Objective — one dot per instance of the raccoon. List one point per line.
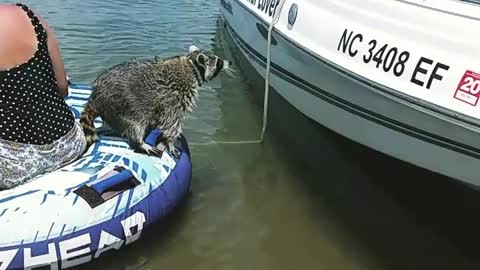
(139, 95)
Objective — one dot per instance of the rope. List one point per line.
(275, 19)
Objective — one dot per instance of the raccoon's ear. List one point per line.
(201, 59)
(193, 49)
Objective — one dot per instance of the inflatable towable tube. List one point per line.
(101, 202)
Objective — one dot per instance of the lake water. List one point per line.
(304, 199)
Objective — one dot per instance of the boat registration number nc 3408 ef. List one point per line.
(391, 59)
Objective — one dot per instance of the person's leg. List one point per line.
(19, 163)
(70, 147)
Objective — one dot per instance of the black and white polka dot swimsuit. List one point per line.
(32, 111)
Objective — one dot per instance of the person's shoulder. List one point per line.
(10, 12)
(9, 9)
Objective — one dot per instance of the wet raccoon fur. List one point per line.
(137, 96)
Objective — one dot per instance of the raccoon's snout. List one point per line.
(227, 68)
(227, 64)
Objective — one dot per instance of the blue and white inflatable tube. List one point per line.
(101, 202)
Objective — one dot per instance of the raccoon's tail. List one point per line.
(86, 120)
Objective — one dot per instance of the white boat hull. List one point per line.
(397, 124)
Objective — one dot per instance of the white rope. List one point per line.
(275, 19)
(223, 142)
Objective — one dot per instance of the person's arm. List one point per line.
(56, 57)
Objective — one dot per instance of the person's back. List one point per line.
(38, 132)
(18, 38)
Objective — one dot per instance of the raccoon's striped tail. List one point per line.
(86, 120)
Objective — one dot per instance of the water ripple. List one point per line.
(97, 34)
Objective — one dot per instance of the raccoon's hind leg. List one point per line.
(167, 144)
(135, 133)
(168, 140)
(173, 150)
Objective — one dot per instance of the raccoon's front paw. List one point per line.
(155, 152)
(149, 150)
(175, 153)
